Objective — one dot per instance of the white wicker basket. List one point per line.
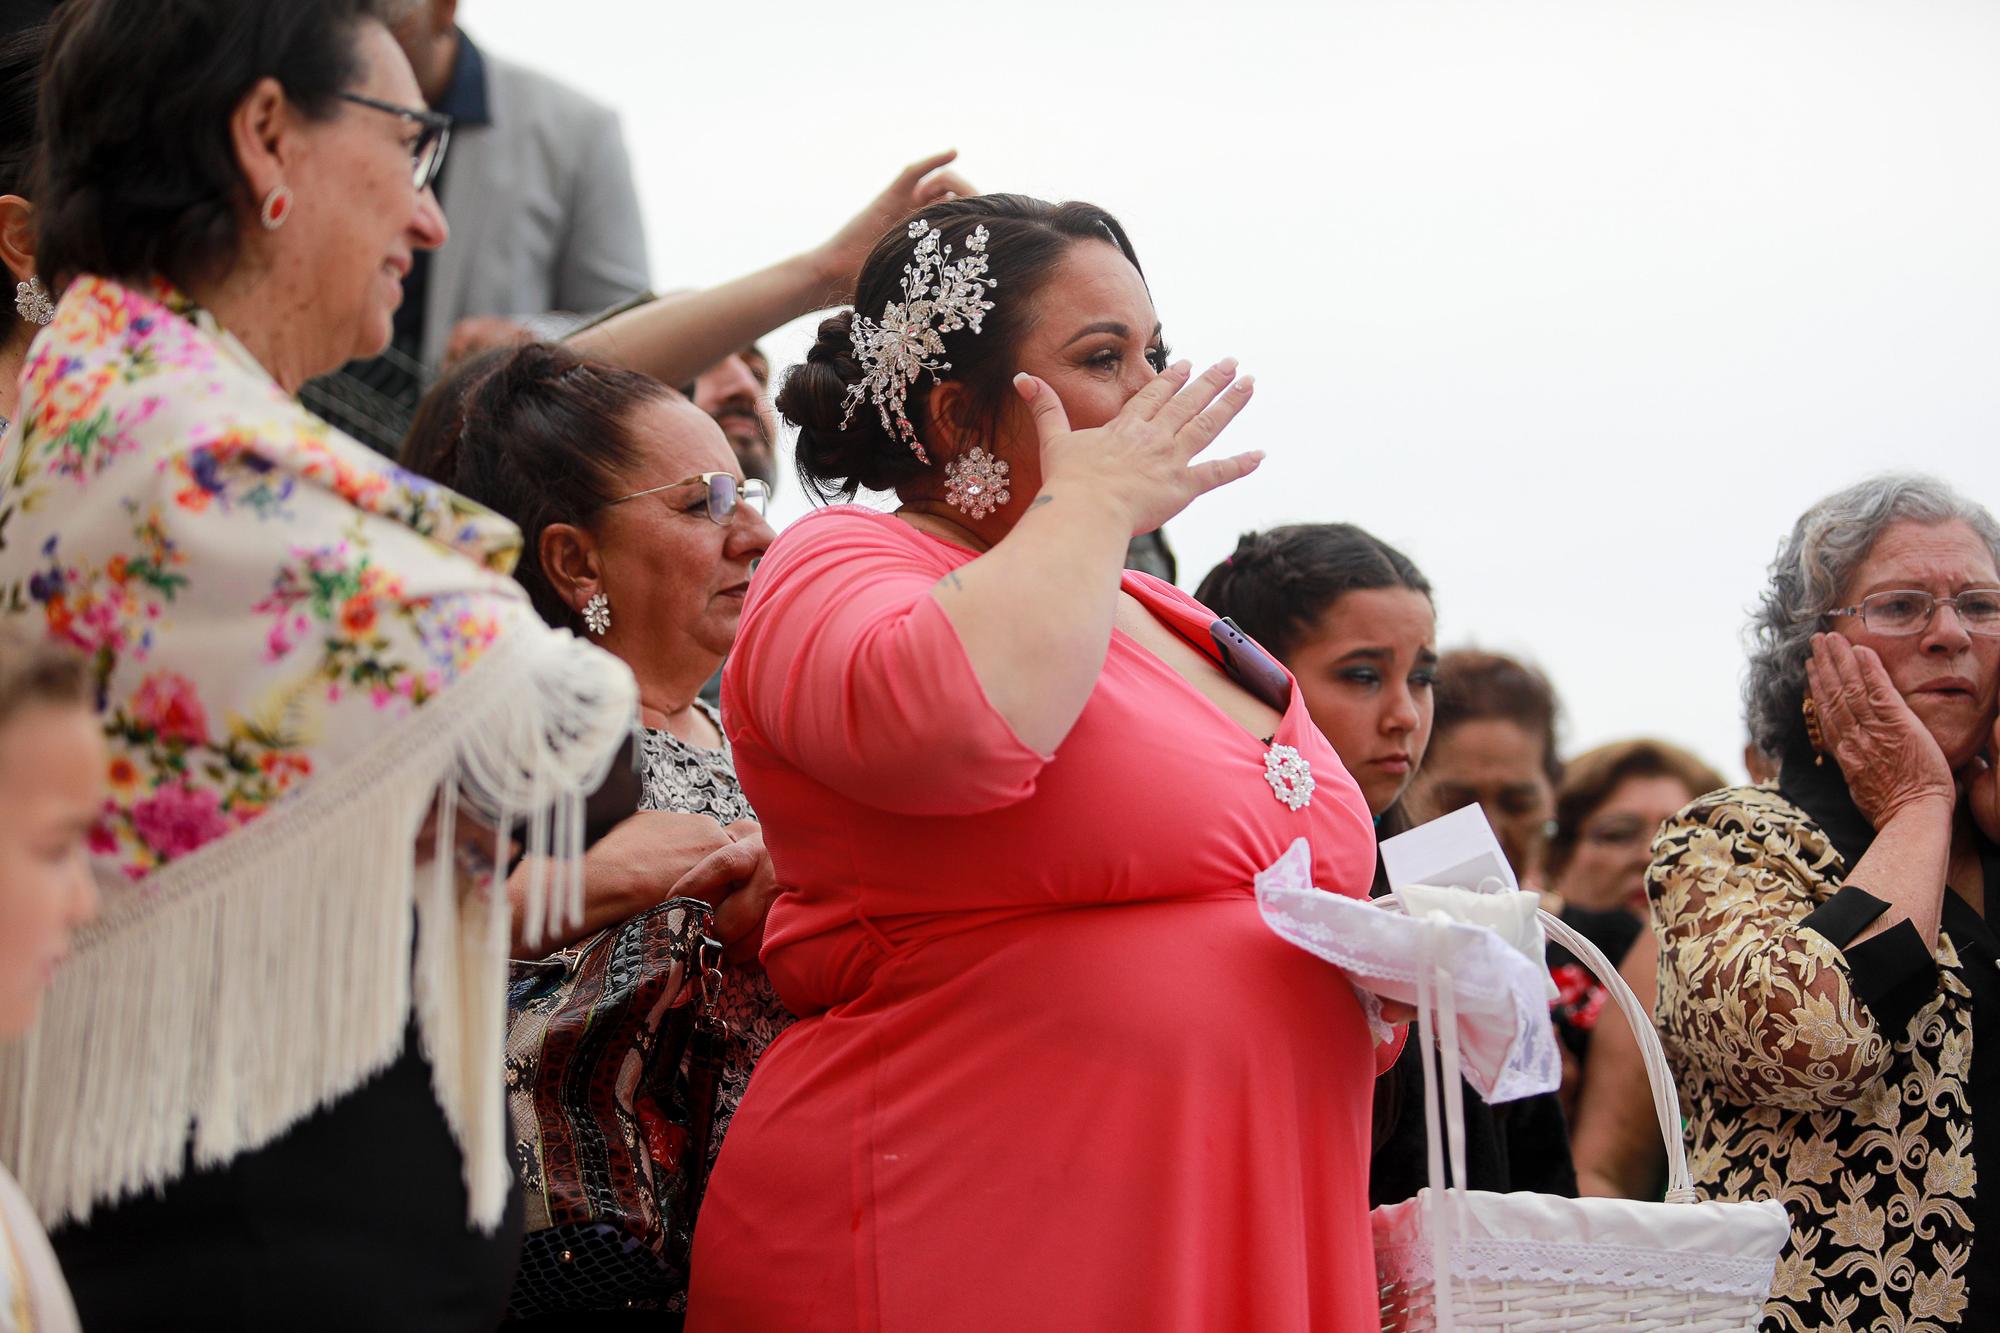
(1537, 1262)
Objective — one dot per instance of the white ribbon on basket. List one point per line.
(1434, 994)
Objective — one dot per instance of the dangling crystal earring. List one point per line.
(32, 300)
(597, 614)
(975, 483)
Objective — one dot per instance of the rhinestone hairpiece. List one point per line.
(909, 338)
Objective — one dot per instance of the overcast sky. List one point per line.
(1577, 303)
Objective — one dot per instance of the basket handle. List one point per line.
(1666, 1098)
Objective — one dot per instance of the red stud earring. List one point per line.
(276, 208)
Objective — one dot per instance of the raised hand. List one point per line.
(1142, 460)
(1890, 759)
(922, 182)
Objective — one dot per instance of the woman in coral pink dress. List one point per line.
(1052, 1070)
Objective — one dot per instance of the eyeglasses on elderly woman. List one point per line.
(1904, 611)
(721, 494)
(427, 149)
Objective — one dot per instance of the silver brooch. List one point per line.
(1290, 776)
(909, 339)
(975, 483)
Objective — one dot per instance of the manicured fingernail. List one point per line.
(1246, 384)
(1182, 367)
(1024, 384)
(1227, 365)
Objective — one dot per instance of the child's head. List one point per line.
(52, 767)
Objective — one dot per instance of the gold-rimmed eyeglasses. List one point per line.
(1905, 611)
(722, 494)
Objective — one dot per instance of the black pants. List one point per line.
(354, 1220)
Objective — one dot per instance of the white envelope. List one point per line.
(1457, 850)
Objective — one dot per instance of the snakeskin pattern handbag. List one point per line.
(614, 1051)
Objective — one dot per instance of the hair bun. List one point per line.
(814, 394)
(835, 454)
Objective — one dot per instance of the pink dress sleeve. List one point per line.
(846, 668)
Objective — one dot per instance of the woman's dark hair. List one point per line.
(1278, 582)
(1026, 240)
(137, 173)
(537, 434)
(21, 55)
(1478, 686)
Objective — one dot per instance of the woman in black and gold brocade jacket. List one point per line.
(1827, 970)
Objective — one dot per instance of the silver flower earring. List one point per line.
(597, 614)
(975, 483)
(32, 300)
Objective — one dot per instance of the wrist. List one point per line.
(1074, 501)
(816, 276)
(1938, 807)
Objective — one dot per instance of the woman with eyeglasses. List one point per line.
(266, 1090)
(1829, 978)
(1611, 802)
(641, 531)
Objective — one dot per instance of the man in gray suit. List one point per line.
(545, 226)
(538, 191)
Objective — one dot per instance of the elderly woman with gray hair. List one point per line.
(1827, 969)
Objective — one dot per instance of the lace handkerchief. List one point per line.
(1509, 1045)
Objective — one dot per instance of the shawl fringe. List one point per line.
(235, 992)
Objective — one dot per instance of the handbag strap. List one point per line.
(708, 1047)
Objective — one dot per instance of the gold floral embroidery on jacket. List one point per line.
(1793, 1093)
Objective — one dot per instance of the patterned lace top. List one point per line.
(1833, 1076)
(691, 779)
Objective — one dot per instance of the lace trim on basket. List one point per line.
(1591, 1265)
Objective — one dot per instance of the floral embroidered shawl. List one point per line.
(301, 652)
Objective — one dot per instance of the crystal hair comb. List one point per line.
(909, 339)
